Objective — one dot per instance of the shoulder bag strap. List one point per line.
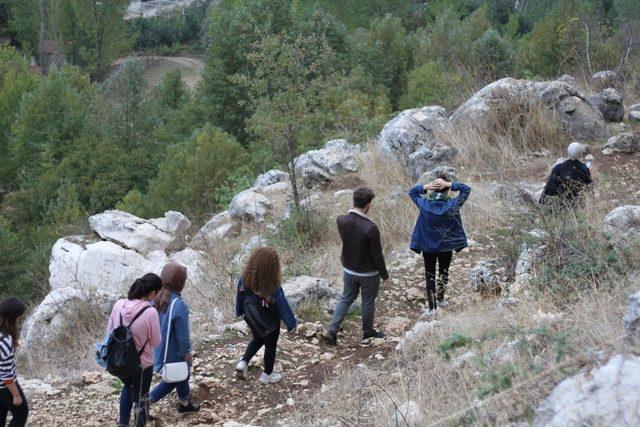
(166, 345)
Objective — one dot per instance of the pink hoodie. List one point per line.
(146, 327)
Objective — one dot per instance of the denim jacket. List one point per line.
(180, 338)
(282, 306)
(439, 226)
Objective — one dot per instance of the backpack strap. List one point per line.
(137, 315)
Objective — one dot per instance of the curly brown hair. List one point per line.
(262, 272)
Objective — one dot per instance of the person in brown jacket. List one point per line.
(363, 265)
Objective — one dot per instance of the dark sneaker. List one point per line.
(188, 408)
(374, 334)
(331, 338)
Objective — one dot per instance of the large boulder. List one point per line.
(248, 205)
(626, 142)
(610, 104)
(270, 177)
(634, 116)
(303, 289)
(338, 157)
(605, 78)
(607, 396)
(632, 318)
(487, 276)
(101, 265)
(415, 138)
(509, 98)
(143, 236)
(220, 226)
(623, 224)
(56, 330)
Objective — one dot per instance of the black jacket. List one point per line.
(361, 247)
(567, 181)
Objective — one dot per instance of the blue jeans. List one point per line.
(132, 395)
(352, 287)
(162, 389)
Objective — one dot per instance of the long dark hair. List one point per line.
(144, 285)
(10, 310)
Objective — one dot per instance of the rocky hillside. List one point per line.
(529, 306)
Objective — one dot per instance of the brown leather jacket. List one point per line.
(361, 247)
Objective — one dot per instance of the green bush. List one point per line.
(432, 84)
(301, 231)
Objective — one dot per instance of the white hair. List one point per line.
(575, 151)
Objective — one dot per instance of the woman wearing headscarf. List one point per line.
(176, 324)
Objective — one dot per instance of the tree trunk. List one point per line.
(291, 167)
(41, 37)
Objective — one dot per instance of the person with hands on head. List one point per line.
(363, 265)
(174, 278)
(259, 290)
(438, 232)
(12, 399)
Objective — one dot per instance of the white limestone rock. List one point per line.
(249, 205)
(607, 396)
(221, 226)
(414, 137)
(139, 234)
(623, 225)
(273, 176)
(309, 289)
(338, 157)
(632, 318)
(563, 99)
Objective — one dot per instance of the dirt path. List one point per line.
(305, 361)
(191, 68)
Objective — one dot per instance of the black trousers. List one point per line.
(270, 343)
(20, 413)
(444, 261)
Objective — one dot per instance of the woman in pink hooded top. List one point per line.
(144, 325)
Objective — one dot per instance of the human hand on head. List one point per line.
(441, 184)
(431, 186)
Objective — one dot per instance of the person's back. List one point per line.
(361, 249)
(569, 179)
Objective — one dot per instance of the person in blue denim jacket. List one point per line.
(261, 279)
(438, 232)
(174, 278)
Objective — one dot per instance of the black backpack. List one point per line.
(123, 359)
(261, 320)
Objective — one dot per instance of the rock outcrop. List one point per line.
(610, 104)
(415, 138)
(626, 142)
(56, 326)
(220, 226)
(632, 319)
(141, 235)
(249, 205)
(307, 289)
(270, 177)
(623, 224)
(605, 78)
(606, 396)
(487, 276)
(338, 157)
(513, 97)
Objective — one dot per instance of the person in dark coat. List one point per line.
(362, 263)
(569, 179)
(438, 232)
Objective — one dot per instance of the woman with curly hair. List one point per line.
(262, 302)
(12, 399)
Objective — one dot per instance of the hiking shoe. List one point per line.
(272, 378)
(374, 334)
(242, 370)
(331, 338)
(443, 304)
(430, 314)
(185, 409)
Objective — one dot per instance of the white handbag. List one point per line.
(174, 372)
